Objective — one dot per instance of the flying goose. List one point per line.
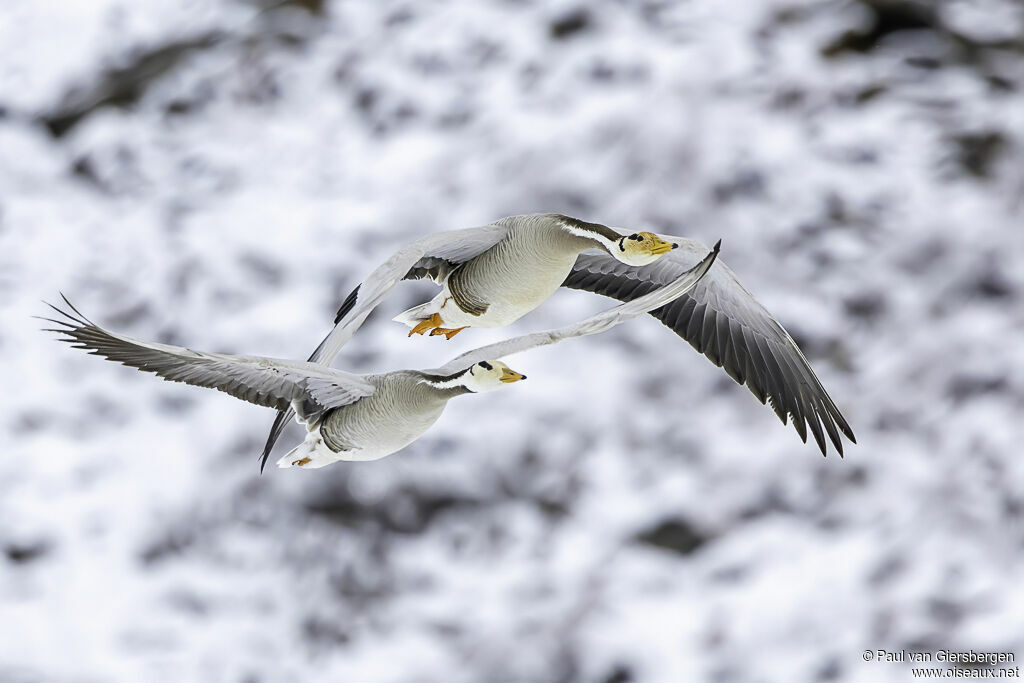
(497, 273)
(349, 416)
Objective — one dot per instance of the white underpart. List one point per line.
(320, 454)
(314, 448)
(498, 314)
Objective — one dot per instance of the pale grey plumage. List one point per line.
(367, 415)
(522, 269)
(401, 408)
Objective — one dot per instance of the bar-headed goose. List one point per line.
(349, 416)
(496, 273)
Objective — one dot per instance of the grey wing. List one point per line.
(723, 321)
(434, 256)
(661, 295)
(264, 381)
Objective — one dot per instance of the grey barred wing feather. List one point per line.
(723, 321)
(263, 381)
(434, 256)
(683, 281)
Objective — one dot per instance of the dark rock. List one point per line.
(179, 107)
(366, 99)
(867, 306)
(174, 543)
(84, 169)
(829, 670)
(992, 284)
(746, 183)
(324, 632)
(963, 387)
(620, 673)
(945, 611)
(407, 510)
(922, 62)
(570, 24)
(978, 152)
(26, 552)
(870, 93)
(888, 17)
(262, 270)
(886, 570)
(676, 535)
(123, 86)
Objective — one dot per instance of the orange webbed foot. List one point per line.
(448, 333)
(428, 324)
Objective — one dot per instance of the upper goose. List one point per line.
(506, 269)
(348, 416)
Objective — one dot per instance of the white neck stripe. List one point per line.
(587, 234)
(447, 384)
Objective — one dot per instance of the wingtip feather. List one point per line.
(275, 433)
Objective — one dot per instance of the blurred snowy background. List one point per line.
(221, 173)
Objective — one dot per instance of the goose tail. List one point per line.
(417, 314)
(311, 454)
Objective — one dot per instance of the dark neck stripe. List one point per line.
(438, 379)
(597, 228)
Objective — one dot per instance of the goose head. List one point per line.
(488, 376)
(642, 248)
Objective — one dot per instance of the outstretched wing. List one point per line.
(263, 381)
(433, 256)
(723, 321)
(600, 322)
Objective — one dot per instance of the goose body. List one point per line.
(349, 416)
(513, 277)
(403, 405)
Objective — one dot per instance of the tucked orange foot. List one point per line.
(448, 333)
(303, 461)
(428, 324)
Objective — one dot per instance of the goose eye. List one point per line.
(485, 365)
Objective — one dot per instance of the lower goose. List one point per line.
(349, 416)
